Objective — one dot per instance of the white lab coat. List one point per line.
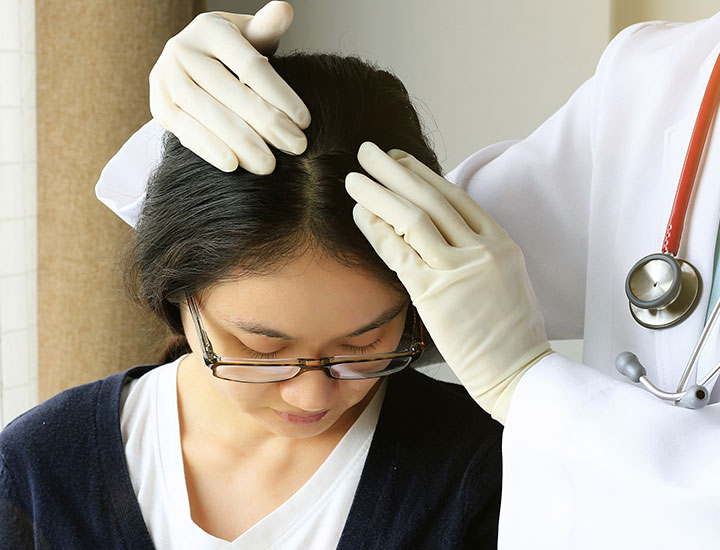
(591, 461)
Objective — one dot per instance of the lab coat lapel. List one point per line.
(674, 345)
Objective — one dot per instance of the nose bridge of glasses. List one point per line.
(310, 362)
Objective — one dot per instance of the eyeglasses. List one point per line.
(340, 367)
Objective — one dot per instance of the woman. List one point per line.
(236, 442)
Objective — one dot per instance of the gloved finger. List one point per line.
(408, 221)
(251, 151)
(475, 217)
(199, 139)
(271, 124)
(266, 27)
(228, 45)
(392, 249)
(415, 189)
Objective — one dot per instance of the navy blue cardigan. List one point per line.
(431, 480)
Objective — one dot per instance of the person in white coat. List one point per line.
(590, 460)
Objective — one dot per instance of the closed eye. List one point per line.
(253, 354)
(362, 350)
(353, 350)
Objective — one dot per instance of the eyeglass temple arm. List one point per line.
(208, 352)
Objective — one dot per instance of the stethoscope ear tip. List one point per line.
(629, 365)
(696, 397)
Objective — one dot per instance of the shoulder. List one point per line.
(439, 411)
(433, 474)
(660, 46)
(63, 422)
(63, 472)
(67, 410)
(414, 388)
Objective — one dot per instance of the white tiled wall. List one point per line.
(18, 210)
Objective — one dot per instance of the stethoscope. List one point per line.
(663, 290)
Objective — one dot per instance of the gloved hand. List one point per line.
(224, 118)
(465, 275)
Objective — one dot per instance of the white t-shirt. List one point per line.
(312, 518)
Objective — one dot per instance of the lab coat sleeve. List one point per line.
(538, 190)
(121, 186)
(592, 462)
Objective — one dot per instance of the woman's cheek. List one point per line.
(245, 396)
(354, 391)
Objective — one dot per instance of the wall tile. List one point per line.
(28, 84)
(12, 201)
(15, 401)
(10, 134)
(29, 185)
(12, 248)
(31, 288)
(29, 134)
(15, 360)
(30, 251)
(33, 352)
(27, 25)
(13, 303)
(11, 79)
(18, 209)
(10, 25)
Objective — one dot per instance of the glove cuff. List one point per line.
(496, 400)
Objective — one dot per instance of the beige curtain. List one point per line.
(93, 60)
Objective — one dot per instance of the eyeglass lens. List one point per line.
(342, 371)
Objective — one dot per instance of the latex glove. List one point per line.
(224, 118)
(464, 274)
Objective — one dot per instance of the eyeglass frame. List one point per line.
(213, 361)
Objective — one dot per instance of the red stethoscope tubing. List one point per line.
(708, 107)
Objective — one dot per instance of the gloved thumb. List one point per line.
(266, 28)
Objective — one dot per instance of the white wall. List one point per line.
(627, 12)
(18, 210)
(481, 71)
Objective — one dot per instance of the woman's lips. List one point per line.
(301, 418)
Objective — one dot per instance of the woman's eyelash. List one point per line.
(356, 350)
(361, 350)
(259, 355)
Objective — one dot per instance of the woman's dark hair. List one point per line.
(200, 226)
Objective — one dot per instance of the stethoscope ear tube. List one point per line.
(695, 397)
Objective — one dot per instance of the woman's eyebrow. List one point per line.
(256, 328)
(385, 317)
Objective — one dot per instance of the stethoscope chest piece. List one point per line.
(662, 290)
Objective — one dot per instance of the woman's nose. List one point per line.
(311, 391)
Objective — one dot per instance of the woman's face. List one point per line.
(313, 307)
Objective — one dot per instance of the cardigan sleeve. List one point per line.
(55, 491)
(482, 498)
(16, 526)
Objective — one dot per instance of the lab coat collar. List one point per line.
(707, 66)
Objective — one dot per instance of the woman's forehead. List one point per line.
(315, 290)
